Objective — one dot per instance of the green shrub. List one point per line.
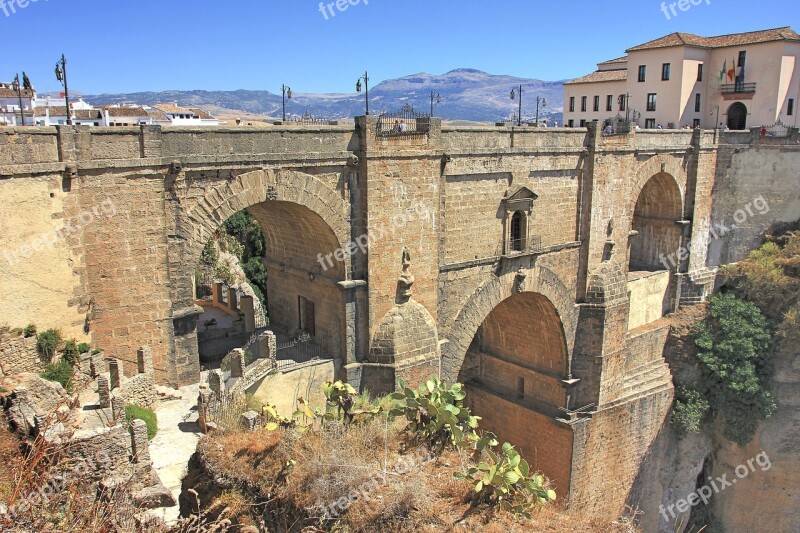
(84, 348)
(60, 372)
(224, 274)
(71, 352)
(29, 331)
(734, 347)
(136, 412)
(689, 410)
(47, 343)
(96, 351)
(209, 256)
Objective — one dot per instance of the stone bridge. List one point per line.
(532, 264)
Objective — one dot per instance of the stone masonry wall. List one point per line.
(18, 354)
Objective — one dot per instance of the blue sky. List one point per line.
(127, 46)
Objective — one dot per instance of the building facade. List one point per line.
(737, 81)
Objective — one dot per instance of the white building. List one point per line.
(182, 116)
(9, 105)
(739, 81)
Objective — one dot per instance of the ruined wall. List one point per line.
(18, 354)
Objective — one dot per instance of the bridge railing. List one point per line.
(403, 122)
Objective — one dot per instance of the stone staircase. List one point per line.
(645, 380)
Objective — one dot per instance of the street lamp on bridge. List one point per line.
(287, 94)
(435, 97)
(365, 78)
(16, 86)
(61, 75)
(543, 102)
(513, 96)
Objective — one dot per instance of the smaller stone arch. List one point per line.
(658, 164)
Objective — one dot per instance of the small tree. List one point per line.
(47, 343)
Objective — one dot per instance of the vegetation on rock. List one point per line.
(136, 412)
(47, 343)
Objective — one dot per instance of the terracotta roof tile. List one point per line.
(623, 59)
(11, 93)
(126, 112)
(601, 76)
(200, 113)
(55, 111)
(719, 41)
(87, 114)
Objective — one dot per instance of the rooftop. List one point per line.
(720, 41)
(127, 111)
(601, 76)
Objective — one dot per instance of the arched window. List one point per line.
(518, 231)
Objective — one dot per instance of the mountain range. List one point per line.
(466, 94)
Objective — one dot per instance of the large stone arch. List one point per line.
(319, 208)
(492, 293)
(256, 187)
(510, 346)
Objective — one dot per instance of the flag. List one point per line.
(723, 71)
(732, 70)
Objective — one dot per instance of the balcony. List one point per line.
(738, 88)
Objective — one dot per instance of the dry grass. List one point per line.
(337, 462)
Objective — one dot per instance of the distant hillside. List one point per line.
(466, 94)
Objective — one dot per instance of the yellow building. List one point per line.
(739, 81)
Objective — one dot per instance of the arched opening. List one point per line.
(301, 299)
(514, 371)
(737, 116)
(655, 244)
(518, 231)
(654, 249)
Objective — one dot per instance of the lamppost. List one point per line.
(365, 78)
(513, 96)
(16, 86)
(623, 101)
(437, 97)
(61, 75)
(543, 101)
(287, 93)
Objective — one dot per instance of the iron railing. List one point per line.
(298, 351)
(616, 126)
(779, 129)
(403, 122)
(738, 88)
(527, 245)
(219, 347)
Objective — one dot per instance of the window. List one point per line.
(610, 102)
(521, 388)
(622, 102)
(790, 110)
(597, 103)
(650, 123)
(571, 123)
(696, 123)
(697, 101)
(665, 71)
(651, 102)
(700, 72)
(740, 72)
(583, 123)
(583, 103)
(518, 232)
(642, 73)
(572, 103)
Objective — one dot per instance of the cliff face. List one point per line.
(768, 498)
(754, 488)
